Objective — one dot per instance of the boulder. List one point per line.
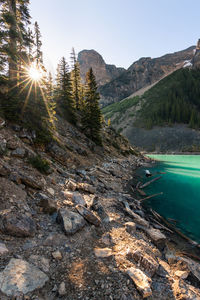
(49, 206)
(16, 224)
(182, 274)
(19, 152)
(157, 237)
(31, 182)
(86, 187)
(141, 281)
(3, 249)
(88, 215)
(148, 263)
(75, 197)
(20, 276)
(71, 185)
(192, 266)
(71, 222)
(57, 152)
(130, 227)
(40, 261)
(102, 252)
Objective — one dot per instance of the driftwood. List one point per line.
(162, 226)
(141, 192)
(138, 184)
(149, 197)
(149, 182)
(175, 229)
(136, 217)
(189, 255)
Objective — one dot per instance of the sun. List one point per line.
(34, 73)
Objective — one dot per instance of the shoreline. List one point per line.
(182, 237)
(170, 153)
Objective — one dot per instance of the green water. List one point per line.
(181, 191)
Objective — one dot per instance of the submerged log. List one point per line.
(149, 182)
(138, 184)
(163, 227)
(141, 192)
(149, 197)
(175, 229)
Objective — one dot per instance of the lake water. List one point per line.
(181, 191)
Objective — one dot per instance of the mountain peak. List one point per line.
(102, 71)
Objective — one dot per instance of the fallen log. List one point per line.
(175, 229)
(149, 182)
(141, 192)
(193, 256)
(136, 217)
(138, 184)
(163, 227)
(149, 197)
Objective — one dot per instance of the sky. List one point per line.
(122, 31)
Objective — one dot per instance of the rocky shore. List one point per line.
(80, 232)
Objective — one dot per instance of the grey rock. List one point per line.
(75, 197)
(71, 185)
(86, 187)
(3, 249)
(157, 237)
(141, 281)
(71, 222)
(49, 206)
(62, 289)
(55, 239)
(41, 262)
(20, 276)
(19, 152)
(88, 215)
(16, 224)
(57, 152)
(130, 227)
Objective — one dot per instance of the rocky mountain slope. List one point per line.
(79, 231)
(163, 116)
(142, 73)
(103, 72)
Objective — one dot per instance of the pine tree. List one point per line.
(92, 118)
(13, 23)
(50, 99)
(64, 92)
(38, 45)
(76, 79)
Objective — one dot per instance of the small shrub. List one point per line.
(40, 164)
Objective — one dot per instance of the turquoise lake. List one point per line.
(181, 191)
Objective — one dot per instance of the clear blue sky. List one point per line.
(122, 31)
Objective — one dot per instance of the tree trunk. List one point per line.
(13, 42)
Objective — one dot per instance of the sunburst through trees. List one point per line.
(28, 94)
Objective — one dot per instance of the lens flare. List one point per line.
(34, 73)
